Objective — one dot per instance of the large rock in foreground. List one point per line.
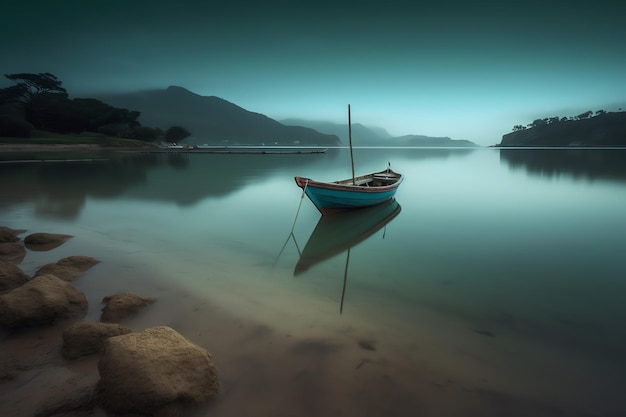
(154, 370)
(40, 301)
(87, 337)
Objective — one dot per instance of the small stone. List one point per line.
(44, 241)
(11, 276)
(85, 337)
(41, 301)
(122, 305)
(68, 269)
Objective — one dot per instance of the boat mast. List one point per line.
(350, 138)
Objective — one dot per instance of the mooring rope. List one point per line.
(293, 227)
(306, 184)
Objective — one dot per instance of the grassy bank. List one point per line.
(48, 138)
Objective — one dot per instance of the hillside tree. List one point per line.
(176, 134)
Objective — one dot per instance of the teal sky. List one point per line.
(459, 69)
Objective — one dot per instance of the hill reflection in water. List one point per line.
(589, 164)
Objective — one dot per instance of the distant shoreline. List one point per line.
(31, 147)
(86, 147)
(60, 147)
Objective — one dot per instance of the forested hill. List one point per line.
(213, 120)
(602, 130)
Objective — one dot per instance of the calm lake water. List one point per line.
(498, 288)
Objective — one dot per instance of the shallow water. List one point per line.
(496, 290)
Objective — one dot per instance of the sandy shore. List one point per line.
(263, 372)
(266, 371)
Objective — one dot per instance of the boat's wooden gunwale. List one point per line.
(360, 183)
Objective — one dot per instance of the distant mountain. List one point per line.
(213, 120)
(603, 130)
(377, 136)
(431, 141)
(365, 135)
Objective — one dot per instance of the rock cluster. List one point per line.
(151, 372)
(48, 296)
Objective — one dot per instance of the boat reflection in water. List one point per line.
(337, 233)
(340, 232)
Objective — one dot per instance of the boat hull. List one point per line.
(368, 190)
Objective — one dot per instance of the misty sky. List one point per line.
(467, 70)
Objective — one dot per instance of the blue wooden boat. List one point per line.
(356, 192)
(352, 193)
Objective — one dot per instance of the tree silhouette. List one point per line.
(32, 84)
(176, 133)
(41, 102)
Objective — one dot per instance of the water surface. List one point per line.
(497, 289)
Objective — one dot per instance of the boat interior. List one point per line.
(377, 180)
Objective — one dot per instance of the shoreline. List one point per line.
(17, 148)
(60, 147)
